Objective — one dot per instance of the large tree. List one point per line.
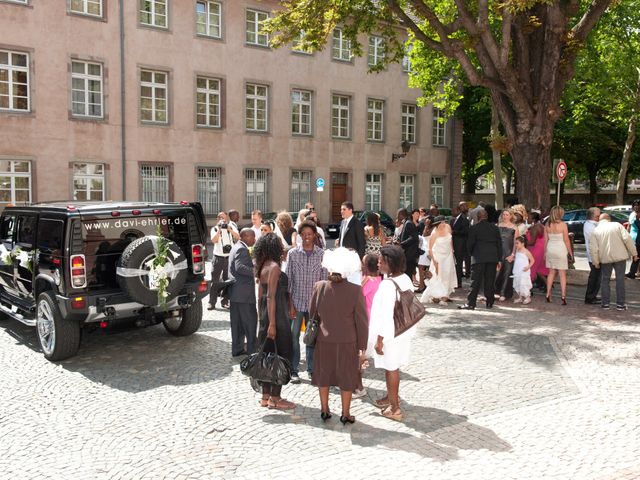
(522, 51)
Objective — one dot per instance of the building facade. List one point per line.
(167, 100)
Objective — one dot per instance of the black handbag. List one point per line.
(311, 331)
(267, 367)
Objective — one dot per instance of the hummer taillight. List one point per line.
(197, 258)
(78, 271)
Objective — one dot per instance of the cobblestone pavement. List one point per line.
(531, 393)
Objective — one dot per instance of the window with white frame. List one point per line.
(406, 190)
(153, 96)
(208, 102)
(406, 60)
(439, 128)
(87, 7)
(256, 190)
(254, 19)
(437, 190)
(155, 183)
(409, 123)
(17, 1)
(375, 120)
(296, 45)
(340, 106)
(341, 47)
(208, 189)
(300, 112)
(373, 191)
(376, 50)
(257, 103)
(86, 89)
(300, 189)
(209, 19)
(153, 13)
(14, 81)
(88, 181)
(15, 181)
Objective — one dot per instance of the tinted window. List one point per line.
(568, 216)
(50, 235)
(582, 215)
(26, 231)
(6, 229)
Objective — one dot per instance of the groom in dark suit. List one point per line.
(351, 230)
(244, 316)
(460, 233)
(408, 240)
(485, 247)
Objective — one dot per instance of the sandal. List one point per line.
(383, 402)
(264, 402)
(388, 412)
(281, 404)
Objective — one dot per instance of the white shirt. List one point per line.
(257, 231)
(225, 239)
(587, 229)
(343, 228)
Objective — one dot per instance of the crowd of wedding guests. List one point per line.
(275, 277)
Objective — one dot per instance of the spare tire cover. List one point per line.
(135, 275)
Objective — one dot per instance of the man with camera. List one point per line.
(223, 236)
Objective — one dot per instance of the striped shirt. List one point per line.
(304, 271)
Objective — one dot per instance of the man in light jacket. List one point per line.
(610, 247)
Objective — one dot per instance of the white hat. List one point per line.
(341, 260)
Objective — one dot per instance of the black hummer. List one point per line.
(64, 267)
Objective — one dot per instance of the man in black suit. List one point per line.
(351, 230)
(485, 247)
(408, 240)
(242, 294)
(460, 232)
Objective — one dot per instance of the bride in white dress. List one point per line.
(443, 265)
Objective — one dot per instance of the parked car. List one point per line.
(618, 208)
(94, 264)
(575, 221)
(332, 230)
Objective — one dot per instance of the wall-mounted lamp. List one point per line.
(406, 146)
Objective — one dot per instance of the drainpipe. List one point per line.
(123, 137)
(452, 161)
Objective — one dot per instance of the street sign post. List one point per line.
(561, 173)
(320, 184)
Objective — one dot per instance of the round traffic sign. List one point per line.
(320, 182)
(561, 170)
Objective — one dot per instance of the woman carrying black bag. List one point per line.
(274, 311)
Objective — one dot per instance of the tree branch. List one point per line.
(409, 23)
(506, 35)
(581, 30)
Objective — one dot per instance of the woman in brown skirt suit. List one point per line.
(343, 333)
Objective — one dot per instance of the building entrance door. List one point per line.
(338, 193)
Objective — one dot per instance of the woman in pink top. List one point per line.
(370, 282)
(370, 279)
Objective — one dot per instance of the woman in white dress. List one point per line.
(388, 351)
(443, 279)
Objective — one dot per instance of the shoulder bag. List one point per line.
(311, 332)
(407, 310)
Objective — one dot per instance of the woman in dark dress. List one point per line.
(343, 334)
(274, 310)
(504, 280)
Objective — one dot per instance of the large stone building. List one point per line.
(183, 99)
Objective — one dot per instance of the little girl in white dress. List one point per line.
(521, 275)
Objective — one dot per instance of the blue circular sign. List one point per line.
(320, 182)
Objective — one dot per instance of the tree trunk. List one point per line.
(532, 163)
(508, 182)
(497, 160)
(626, 155)
(593, 185)
(470, 185)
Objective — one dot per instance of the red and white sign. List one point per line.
(561, 171)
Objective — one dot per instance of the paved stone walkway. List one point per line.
(509, 393)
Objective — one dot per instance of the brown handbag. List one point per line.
(407, 310)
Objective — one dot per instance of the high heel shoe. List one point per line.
(350, 419)
(564, 300)
(325, 416)
(548, 298)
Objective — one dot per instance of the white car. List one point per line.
(618, 208)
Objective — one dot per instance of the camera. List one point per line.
(226, 248)
(223, 225)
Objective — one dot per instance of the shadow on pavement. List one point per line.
(439, 434)
(139, 359)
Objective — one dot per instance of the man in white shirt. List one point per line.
(256, 223)
(223, 236)
(595, 275)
